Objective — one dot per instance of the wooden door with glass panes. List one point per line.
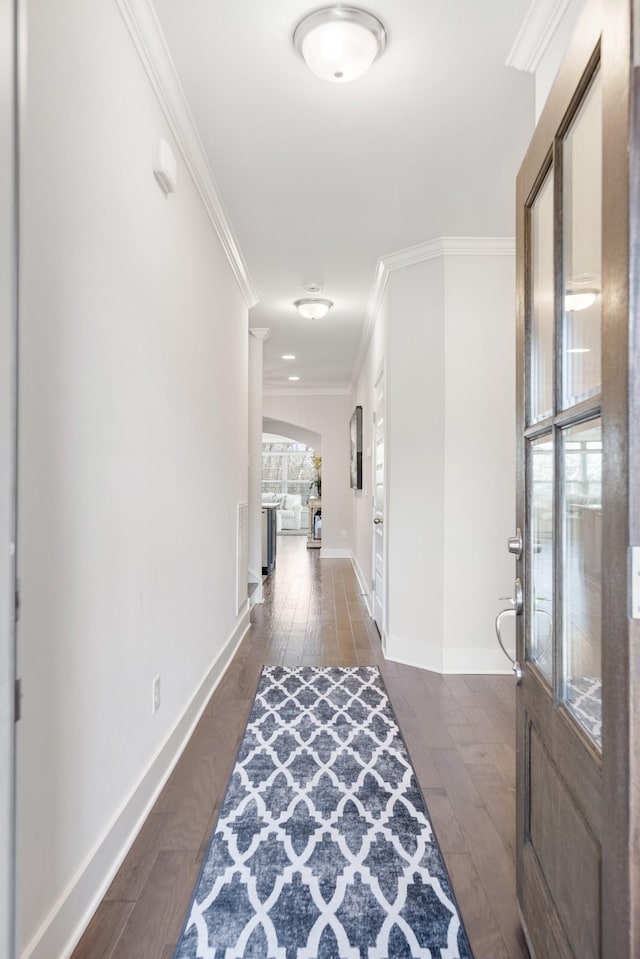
(574, 770)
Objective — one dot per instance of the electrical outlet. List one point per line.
(343, 534)
(155, 702)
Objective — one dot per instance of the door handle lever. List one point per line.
(515, 665)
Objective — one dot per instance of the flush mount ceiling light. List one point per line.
(575, 300)
(339, 44)
(313, 308)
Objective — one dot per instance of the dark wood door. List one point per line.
(576, 736)
(8, 446)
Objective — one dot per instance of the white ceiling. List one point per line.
(319, 180)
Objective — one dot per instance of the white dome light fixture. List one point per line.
(313, 308)
(575, 300)
(339, 44)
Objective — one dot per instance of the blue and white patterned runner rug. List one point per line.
(323, 847)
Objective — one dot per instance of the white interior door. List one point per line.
(379, 566)
(8, 286)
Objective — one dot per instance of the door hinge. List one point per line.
(373, 584)
(16, 605)
(17, 708)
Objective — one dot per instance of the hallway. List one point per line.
(459, 731)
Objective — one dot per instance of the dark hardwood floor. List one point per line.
(459, 731)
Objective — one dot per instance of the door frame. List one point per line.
(8, 446)
(621, 456)
(609, 22)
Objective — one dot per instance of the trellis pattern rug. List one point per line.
(584, 698)
(323, 848)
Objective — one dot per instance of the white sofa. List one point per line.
(289, 513)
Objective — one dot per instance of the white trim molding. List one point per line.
(292, 391)
(430, 250)
(64, 925)
(438, 659)
(362, 583)
(535, 34)
(329, 552)
(142, 23)
(260, 333)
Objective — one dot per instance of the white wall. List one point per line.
(133, 457)
(290, 431)
(479, 477)
(255, 463)
(328, 415)
(445, 333)
(415, 444)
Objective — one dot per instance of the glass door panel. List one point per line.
(582, 249)
(541, 294)
(540, 546)
(582, 574)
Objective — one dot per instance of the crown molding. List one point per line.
(431, 250)
(338, 391)
(142, 23)
(478, 246)
(260, 333)
(535, 34)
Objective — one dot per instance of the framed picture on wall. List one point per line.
(355, 433)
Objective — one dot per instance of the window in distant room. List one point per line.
(287, 468)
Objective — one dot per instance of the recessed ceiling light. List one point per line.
(339, 43)
(288, 356)
(579, 349)
(294, 377)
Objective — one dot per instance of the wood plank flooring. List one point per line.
(459, 731)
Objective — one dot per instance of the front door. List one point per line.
(575, 735)
(8, 334)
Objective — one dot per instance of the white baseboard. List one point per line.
(447, 661)
(362, 583)
(331, 552)
(256, 597)
(63, 927)
(411, 653)
(490, 660)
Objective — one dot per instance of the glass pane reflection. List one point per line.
(541, 555)
(582, 547)
(541, 371)
(582, 242)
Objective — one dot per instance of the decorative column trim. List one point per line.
(261, 334)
